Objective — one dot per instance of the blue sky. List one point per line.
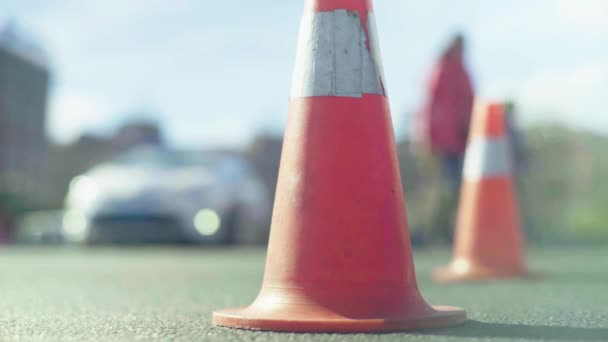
(216, 72)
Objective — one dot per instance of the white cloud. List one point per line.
(71, 113)
(575, 96)
(586, 16)
(532, 19)
(545, 54)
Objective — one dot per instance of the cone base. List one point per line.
(245, 318)
(454, 274)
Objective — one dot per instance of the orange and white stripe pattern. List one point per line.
(488, 241)
(339, 257)
(487, 152)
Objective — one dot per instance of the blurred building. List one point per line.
(136, 133)
(24, 149)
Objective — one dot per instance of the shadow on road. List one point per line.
(513, 331)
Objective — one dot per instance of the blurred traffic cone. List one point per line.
(339, 256)
(488, 241)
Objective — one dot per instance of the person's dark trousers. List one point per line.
(451, 176)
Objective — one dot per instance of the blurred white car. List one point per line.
(156, 195)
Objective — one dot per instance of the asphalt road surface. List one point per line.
(168, 294)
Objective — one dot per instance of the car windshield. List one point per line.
(157, 158)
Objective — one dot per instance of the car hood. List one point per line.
(110, 184)
(132, 180)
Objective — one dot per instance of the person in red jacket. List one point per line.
(446, 116)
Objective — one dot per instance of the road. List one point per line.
(78, 294)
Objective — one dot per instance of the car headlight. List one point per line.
(75, 225)
(207, 222)
(83, 192)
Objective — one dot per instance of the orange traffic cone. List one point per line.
(488, 241)
(339, 257)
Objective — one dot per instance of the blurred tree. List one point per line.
(562, 190)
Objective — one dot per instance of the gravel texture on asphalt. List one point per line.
(124, 294)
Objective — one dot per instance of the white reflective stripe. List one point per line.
(487, 157)
(333, 58)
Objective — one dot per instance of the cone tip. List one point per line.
(332, 5)
(488, 120)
